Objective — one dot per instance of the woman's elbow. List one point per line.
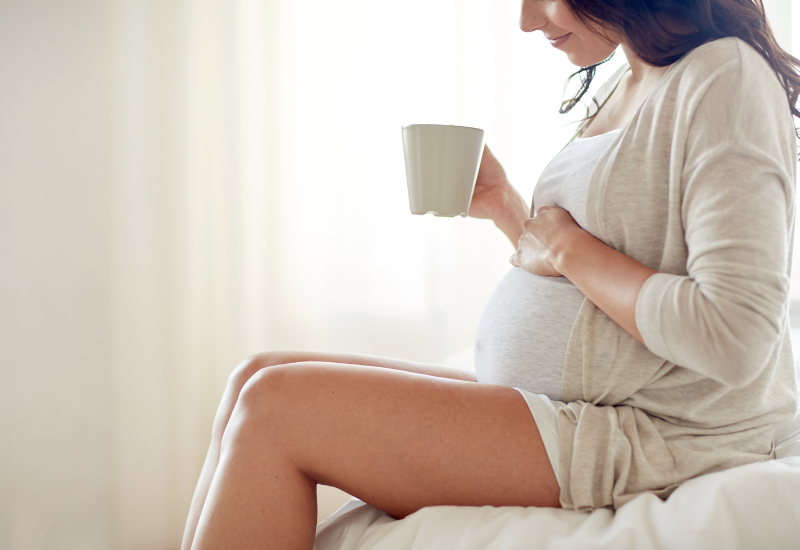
(746, 356)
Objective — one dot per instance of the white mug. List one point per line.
(441, 167)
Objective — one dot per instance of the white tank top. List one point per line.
(522, 335)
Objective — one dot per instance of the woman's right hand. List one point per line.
(490, 197)
(495, 199)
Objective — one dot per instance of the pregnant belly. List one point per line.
(523, 333)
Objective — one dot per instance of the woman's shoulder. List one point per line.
(725, 97)
(729, 88)
(728, 58)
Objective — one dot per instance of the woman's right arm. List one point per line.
(496, 199)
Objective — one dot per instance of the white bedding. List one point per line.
(755, 506)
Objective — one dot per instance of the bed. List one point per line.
(753, 506)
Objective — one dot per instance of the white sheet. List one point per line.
(755, 506)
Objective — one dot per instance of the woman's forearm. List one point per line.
(511, 218)
(610, 279)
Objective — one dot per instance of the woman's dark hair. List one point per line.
(659, 32)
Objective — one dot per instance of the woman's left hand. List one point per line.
(543, 239)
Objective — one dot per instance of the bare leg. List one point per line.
(251, 366)
(396, 440)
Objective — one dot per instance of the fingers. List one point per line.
(528, 224)
(514, 259)
(487, 153)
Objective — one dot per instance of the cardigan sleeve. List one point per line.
(724, 317)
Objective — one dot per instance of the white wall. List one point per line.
(55, 160)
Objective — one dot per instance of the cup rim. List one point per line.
(405, 126)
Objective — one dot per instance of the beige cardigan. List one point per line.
(700, 187)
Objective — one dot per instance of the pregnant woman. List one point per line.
(640, 340)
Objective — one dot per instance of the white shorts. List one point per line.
(545, 414)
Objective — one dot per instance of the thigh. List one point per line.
(256, 363)
(273, 358)
(402, 441)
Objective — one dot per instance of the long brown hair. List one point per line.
(659, 32)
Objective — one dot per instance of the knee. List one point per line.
(237, 380)
(245, 370)
(265, 399)
(273, 388)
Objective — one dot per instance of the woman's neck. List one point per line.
(641, 73)
(627, 97)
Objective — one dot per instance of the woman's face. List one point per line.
(582, 45)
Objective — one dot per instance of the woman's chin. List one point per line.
(587, 59)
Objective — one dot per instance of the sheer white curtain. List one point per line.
(196, 239)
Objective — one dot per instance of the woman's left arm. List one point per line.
(553, 244)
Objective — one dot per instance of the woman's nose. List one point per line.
(532, 16)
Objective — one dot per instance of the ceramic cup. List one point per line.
(441, 167)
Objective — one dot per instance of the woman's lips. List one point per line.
(556, 42)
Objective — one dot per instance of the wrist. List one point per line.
(567, 249)
(512, 215)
